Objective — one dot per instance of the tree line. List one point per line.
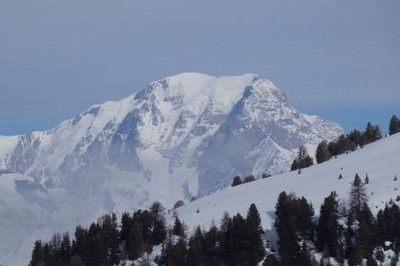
(345, 143)
(349, 234)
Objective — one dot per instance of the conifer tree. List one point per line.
(158, 230)
(178, 228)
(236, 245)
(304, 257)
(303, 160)
(358, 196)
(109, 233)
(355, 138)
(328, 229)
(304, 213)
(272, 260)
(195, 251)
(236, 181)
(343, 144)
(372, 133)
(211, 246)
(322, 153)
(394, 125)
(286, 228)
(37, 254)
(254, 231)
(65, 249)
(177, 254)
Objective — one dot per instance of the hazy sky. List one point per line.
(339, 58)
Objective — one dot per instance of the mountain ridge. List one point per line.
(180, 137)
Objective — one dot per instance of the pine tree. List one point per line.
(343, 144)
(254, 231)
(81, 245)
(109, 233)
(37, 254)
(177, 254)
(303, 160)
(135, 246)
(328, 229)
(304, 213)
(158, 223)
(304, 257)
(365, 238)
(178, 228)
(211, 246)
(394, 125)
(65, 249)
(322, 153)
(235, 246)
(286, 228)
(236, 181)
(358, 196)
(195, 251)
(272, 260)
(355, 138)
(372, 133)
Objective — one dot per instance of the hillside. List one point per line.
(380, 160)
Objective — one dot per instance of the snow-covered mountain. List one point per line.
(181, 137)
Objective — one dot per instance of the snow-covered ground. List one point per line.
(379, 160)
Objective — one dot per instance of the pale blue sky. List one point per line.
(339, 59)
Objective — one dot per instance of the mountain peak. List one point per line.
(180, 137)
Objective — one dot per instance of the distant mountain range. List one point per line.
(180, 137)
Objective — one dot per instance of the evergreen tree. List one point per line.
(286, 228)
(322, 153)
(303, 160)
(80, 246)
(158, 223)
(110, 234)
(236, 181)
(358, 196)
(165, 249)
(365, 237)
(37, 257)
(177, 254)
(211, 246)
(359, 223)
(304, 257)
(304, 213)
(372, 133)
(394, 125)
(254, 231)
(65, 249)
(343, 144)
(235, 248)
(136, 245)
(249, 178)
(333, 148)
(195, 252)
(328, 229)
(355, 138)
(272, 260)
(178, 228)
(98, 250)
(124, 233)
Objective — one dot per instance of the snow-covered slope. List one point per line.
(379, 160)
(180, 137)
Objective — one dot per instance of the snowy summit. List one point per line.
(180, 137)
